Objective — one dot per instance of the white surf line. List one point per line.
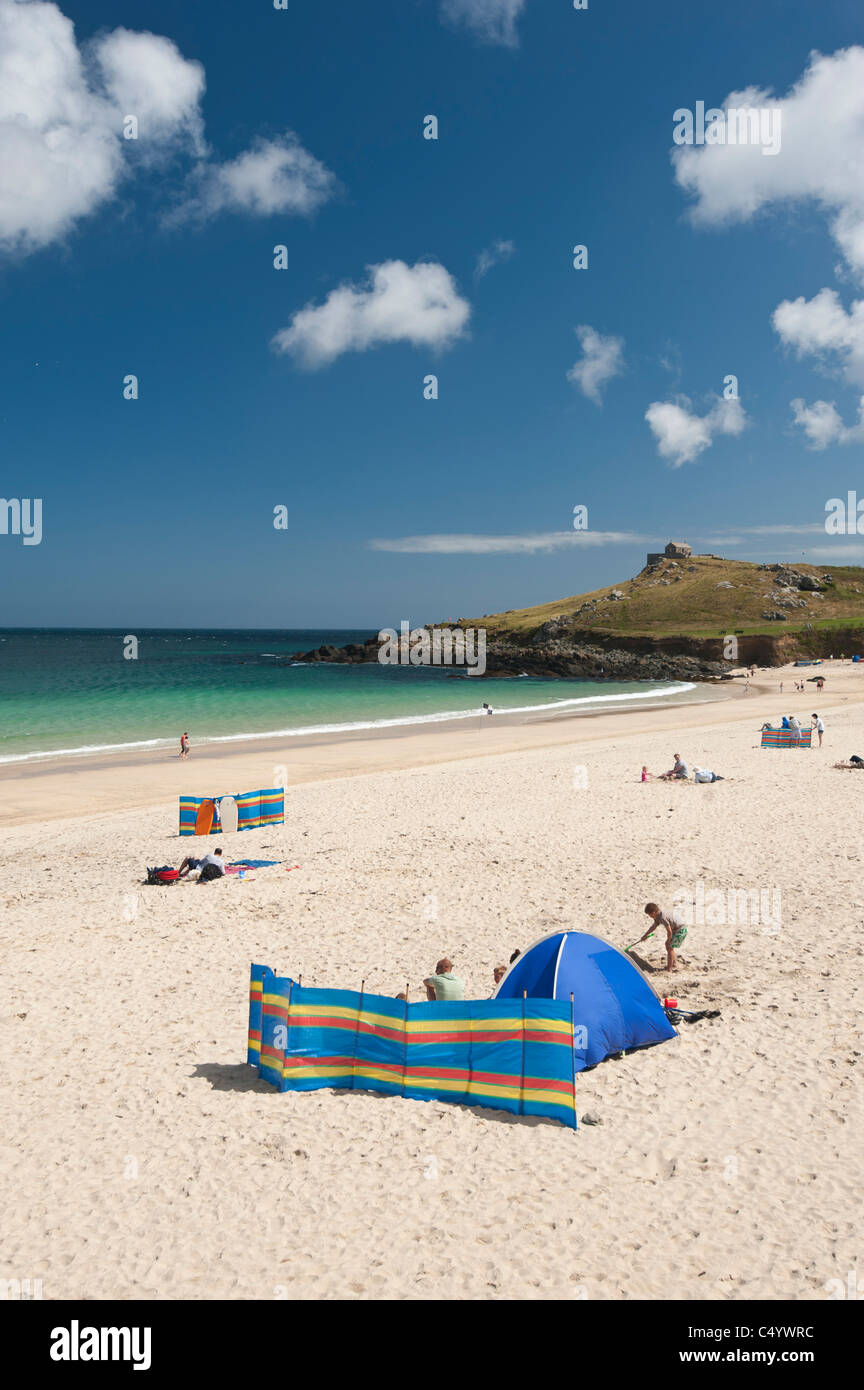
(404, 720)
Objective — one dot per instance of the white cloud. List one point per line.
(493, 21)
(274, 176)
(681, 436)
(819, 160)
(823, 424)
(418, 304)
(818, 326)
(61, 117)
(146, 76)
(783, 530)
(603, 359)
(837, 554)
(508, 545)
(493, 255)
(63, 154)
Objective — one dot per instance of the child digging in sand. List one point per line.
(675, 932)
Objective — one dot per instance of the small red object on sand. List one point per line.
(670, 1003)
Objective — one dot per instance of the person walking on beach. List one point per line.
(675, 932)
(819, 727)
(184, 745)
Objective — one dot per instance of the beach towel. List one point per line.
(254, 863)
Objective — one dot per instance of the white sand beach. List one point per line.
(141, 1158)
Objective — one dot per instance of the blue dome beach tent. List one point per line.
(615, 1009)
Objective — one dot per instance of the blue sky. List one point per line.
(304, 128)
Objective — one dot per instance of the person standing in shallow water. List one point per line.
(184, 745)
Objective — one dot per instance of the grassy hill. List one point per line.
(702, 597)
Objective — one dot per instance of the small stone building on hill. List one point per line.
(675, 550)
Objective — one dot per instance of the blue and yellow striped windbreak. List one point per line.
(514, 1055)
(254, 810)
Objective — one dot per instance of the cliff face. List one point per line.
(573, 655)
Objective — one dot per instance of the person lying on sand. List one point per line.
(704, 774)
(444, 985)
(190, 862)
(853, 762)
(680, 772)
(675, 932)
(211, 866)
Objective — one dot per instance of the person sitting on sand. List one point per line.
(675, 932)
(212, 866)
(647, 776)
(444, 986)
(680, 772)
(498, 974)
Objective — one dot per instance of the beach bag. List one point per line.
(164, 875)
(208, 872)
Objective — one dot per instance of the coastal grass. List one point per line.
(691, 599)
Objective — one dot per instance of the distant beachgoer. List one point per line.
(212, 866)
(184, 746)
(515, 956)
(704, 774)
(679, 772)
(645, 773)
(675, 932)
(819, 726)
(444, 985)
(784, 723)
(189, 863)
(819, 683)
(498, 974)
(794, 729)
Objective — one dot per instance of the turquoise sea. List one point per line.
(69, 691)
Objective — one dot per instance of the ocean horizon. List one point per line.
(68, 692)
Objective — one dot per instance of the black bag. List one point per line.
(210, 871)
